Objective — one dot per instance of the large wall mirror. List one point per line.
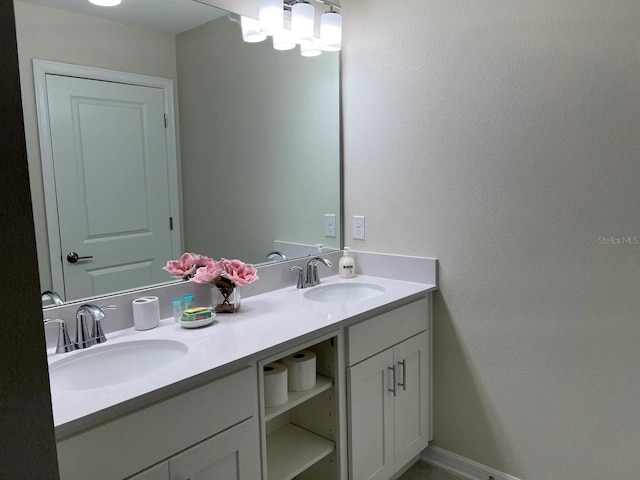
(257, 137)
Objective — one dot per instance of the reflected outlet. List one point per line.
(329, 224)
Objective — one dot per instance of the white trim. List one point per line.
(461, 466)
(42, 68)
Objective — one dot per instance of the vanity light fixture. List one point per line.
(106, 3)
(302, 22)
(331, 31)
(277, 15)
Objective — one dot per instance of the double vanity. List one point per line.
(175, 403)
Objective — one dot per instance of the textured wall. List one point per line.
(502, 138)
(52, 34)
(27, 445)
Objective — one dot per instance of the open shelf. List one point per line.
(296, 398)
(291, 450)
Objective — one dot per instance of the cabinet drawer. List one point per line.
(159, 431)
(376, 334)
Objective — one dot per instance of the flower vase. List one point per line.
(225, 296)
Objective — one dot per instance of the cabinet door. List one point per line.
(371, 418)
(231, 455)
(159, 472)
(411, 406)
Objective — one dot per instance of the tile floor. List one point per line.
(422, 471)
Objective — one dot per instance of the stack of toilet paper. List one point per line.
(295, 373)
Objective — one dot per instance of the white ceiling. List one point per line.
(167, 15)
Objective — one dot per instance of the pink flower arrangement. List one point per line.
(186, 265)
(203, 269)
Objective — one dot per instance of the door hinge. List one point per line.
(170, 223)
(166, 121)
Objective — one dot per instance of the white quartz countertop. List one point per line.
(278, 319)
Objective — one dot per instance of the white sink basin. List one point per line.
(100, 366)
(344, 292)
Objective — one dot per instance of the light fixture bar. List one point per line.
(328, 3)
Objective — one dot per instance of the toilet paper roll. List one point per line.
(275, 384)
(302, 370)
(146, 313)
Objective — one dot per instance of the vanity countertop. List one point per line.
(266, 323)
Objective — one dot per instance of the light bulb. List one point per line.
(106, 3)
(271, 15)
(331, 31)
(251, 32)
(302, 17)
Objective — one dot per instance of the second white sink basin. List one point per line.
(100, 366)
(344, 292)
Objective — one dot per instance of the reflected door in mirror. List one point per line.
(109, 149)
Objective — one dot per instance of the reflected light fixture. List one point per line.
(276, 16)
(311, 49)
(271, 16)
(283, 40)
(251, 30)
(106, 3)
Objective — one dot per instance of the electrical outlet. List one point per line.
(330, 225)
(358, 227)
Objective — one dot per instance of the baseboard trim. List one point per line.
(461, 466)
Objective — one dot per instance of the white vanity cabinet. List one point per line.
(388, 391)
(230, 455)
(209, 432)
(303, 438)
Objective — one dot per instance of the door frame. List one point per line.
(42, 68)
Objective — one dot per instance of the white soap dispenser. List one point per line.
(346, 265)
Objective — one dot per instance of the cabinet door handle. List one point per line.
(404, 374)
(393, 369)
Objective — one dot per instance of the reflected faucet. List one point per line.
(276, 253)
(88, 334)
(50, 295)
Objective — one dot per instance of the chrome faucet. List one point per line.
(88, 334)
(276, 253)
(50, 295)
(313, 278)
(64, 343)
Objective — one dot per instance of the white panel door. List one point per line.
(411, 405)
(231, 455)
(112, 184)
(371, 418)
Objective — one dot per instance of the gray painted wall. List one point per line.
(502, 138)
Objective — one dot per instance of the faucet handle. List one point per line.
(300, 277)
(64, 342)
(98, 333)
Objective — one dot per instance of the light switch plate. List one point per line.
(330, 225)
(358, 227)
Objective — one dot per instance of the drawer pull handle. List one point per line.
(404, 375)
(393, 369)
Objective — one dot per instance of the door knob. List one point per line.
(73, 257)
